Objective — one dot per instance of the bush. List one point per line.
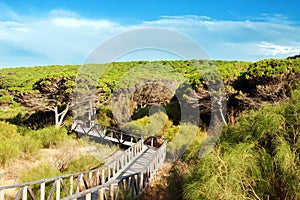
(257, 158)
(9, 150)
(182, 140)
(29, 146)
(41, 171)
(155, 124)
(50, 136)
(8, 131)
(82, 164)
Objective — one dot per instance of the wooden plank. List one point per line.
(90, 180)
(141, 181)
(103, 176)
(88, 196)
(111, 191)
(24, 193)
(71, 185)
(101, 194)
(42, 191)
(57, 189)
(1, 195)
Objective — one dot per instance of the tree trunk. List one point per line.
(59, 117)
(56, 116)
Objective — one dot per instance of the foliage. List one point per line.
(181, 140)
(257, 158)
(9, 150)
(155, 124)
(41, 171)
(7, 131)
(29, 146)
(50, 136)
(82, 164)
(9, 146)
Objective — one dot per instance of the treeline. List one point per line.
(246, 84)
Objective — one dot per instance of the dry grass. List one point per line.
(58, 157)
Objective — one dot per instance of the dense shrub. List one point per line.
(7, 131)
(9, 150)
(258, 158)
(82, 164)
(155, 124)
(50, 136)
(41, 171)
(29, 146)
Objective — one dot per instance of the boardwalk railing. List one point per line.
(128, 186)
(69, 184)
(104, 132)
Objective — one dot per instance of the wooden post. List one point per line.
(58, 189)
(71, 184)
(101, 194)
(79, 179)
(1, 195)
(97, 177)
(141, 182)
(90, 182)
(103, 176)
(43, 191)
(111, 191)
(88, 196)
(24, 196)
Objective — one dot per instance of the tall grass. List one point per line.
(258, 158)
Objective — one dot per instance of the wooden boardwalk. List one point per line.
(139, 163)
(129, 173)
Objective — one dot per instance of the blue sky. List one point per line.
(65, 32)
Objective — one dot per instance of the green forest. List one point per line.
(256, 157)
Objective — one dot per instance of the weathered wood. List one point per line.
(42, 192)
(88, 196)
(24, 193)
(1, 195)
(51, 191)
(58, 189)
(111, 191)
(103, 176)
(71, 185)
(101, 194)
(32, 195)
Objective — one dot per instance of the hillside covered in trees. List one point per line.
(257, 156)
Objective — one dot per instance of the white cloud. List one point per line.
(64, 37)
(53, 39)
(273, 49)
(80, 23)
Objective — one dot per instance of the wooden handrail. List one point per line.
(134, 183)
(77, 181)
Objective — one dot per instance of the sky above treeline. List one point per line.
(46, 32)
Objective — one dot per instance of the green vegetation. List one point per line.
(50, 136)
(14, 146)
(41, 171)
(257, 158)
